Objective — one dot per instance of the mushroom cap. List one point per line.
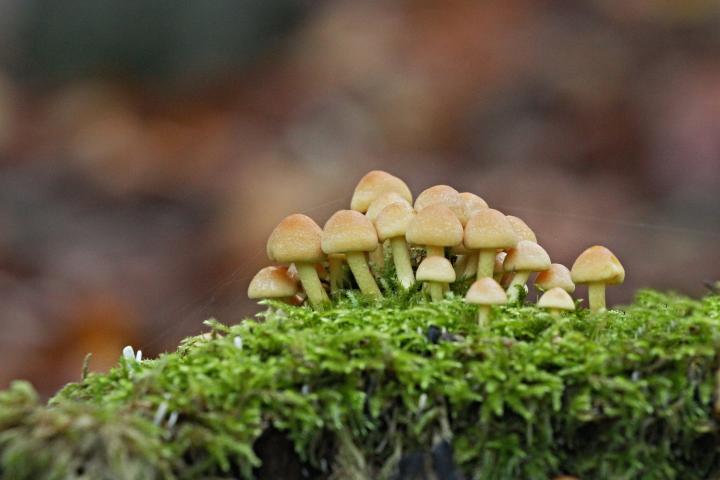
(435, 269)
(556, 298)
(272, 282)
(526, 256)
(393, 220)
(521, 228)
(499, 259)
(489, 228)
(486, 291)
(381, 202)
(295, 239)
(374, 184)
(443, 195)
(556, 276)
(597, 264)
(473, 203)
(348, 231)
(435, 225)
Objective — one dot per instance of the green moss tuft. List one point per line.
(358, 386)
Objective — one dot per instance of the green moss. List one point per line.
(620, 394)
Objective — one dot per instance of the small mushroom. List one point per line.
(597, 267)
(352, 233)
(437, 271)
(556, 300)
(273, 283)
(435, 227)
(556, 276)
(392, 224)
(472, 202)
(526, 257)
(374, 184)
(521, 228)
(487, 231)
(377, 256)
(499, 269)
(485, 292)
(296, 239)
(443, 195)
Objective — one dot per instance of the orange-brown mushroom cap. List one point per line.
(295, 239)
(556, 298)
(597, 264)
(381, 202)
(521, 228)
(435, 269)
(473, 202)
(526, 256)
(489, 228)
(374, 184)
(486, 291)
(556, 276)
(443, 195)
(272, 282)
(435, 225)
(348, 231)
(393, 220)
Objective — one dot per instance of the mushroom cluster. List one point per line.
(444, 237)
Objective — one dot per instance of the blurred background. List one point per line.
(147, 149)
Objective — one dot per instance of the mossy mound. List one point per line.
(378, 390)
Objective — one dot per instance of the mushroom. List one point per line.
(374, 184)
(499, 269)
(296, 239)
(337, 275)
(443, 195)
(352, 233)
(556, 276)
(376, 256)
(555, 300)
(392, 224)
(598, 267)
(488, 230)
(437, 271)
(521, 228)
(485, 292)
(273, 282)
(526, 257)
(472, 202)
(466, 262)
(435, 227)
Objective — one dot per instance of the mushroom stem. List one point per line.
(472, 264)
(520, 279)
(311, 283)
(433, 251)
(555, 312)
(336, 272)
(377, 258)
(361, 272)
(486, 263)
(596, 292)
(461, 263)
(483, 315)
(436, 291)
(401, 258)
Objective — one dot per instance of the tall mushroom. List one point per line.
(485, 292)
(374, 184)
(435, 227)
(272, 283)
(521, 228)
(597, 267)
(526, 257)
(350, 232)
(556, 300)
(556, 276)
(296, 239)
(391, 224)
(437, 271)
(377, 256)
(443, 195)
(487, 231)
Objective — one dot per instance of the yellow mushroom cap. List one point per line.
(526, 256)
(295, 239)
(348, 231)
(272, 282)
(499, 259)
(443, 195)
(381, 202)
(374, 184)
(486, 291)
(556, 276)
(435, 225)
(435, 269)
(489, 228)
(473, 203)
(556, 298)
(597, 264)
(521, 228)
(393, 220)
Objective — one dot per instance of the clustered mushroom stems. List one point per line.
(485, 244)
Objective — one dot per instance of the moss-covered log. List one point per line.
(391, 387)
